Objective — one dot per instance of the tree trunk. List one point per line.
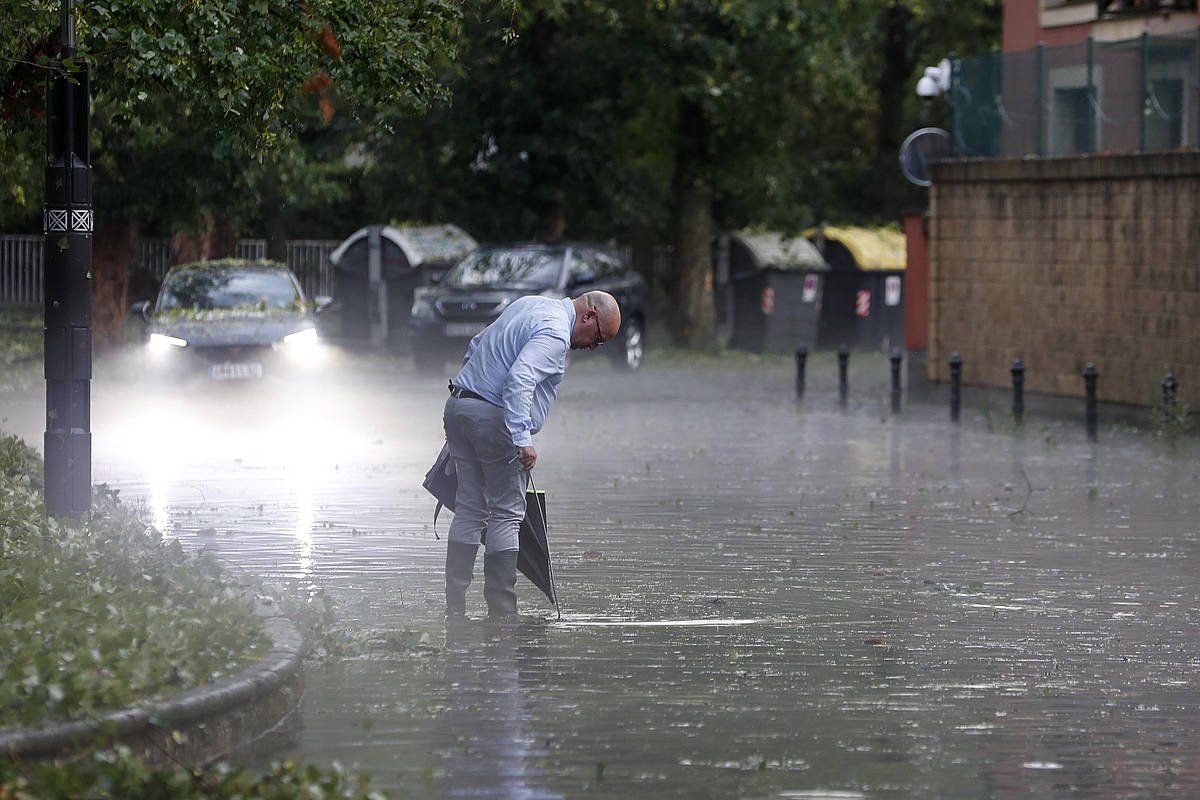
(552, 220)
(694, 317)
(114, 248)
(893, 86)
(215, 239)
(272, 212)
(222, 238)
(187, 247)
(645, 245)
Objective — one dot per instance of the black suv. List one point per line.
(445, 317)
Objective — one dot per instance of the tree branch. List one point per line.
(21, 79)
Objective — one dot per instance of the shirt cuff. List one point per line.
(523, 439)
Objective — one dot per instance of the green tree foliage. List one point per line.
(186, 94)
(200, 110)
(657, 121)
(731, 81)
(906, 36)
(528, 133)
(775, 104)
(646, 121)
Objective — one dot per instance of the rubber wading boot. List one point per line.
(500, 584)
(460, 565)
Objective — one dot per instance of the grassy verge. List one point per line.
(103, 614)
(20, 336)
(117, 774)
(20, 349)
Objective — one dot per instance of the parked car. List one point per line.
(230, 320)
(476, 290)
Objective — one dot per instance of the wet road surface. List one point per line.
(760, 599)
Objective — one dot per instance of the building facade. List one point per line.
(1028, 23)
(1065, 233)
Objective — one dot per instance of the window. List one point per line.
(582, 266)
(531, 268)
(607, 265)
(602, 265)
(1056, 13)
(205, 289)
(1114, 7)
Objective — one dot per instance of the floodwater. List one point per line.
(760, 599)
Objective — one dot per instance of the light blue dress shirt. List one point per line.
(518, 361)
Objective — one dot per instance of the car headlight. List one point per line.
(161, 343)
(302, 347)
(304, 338)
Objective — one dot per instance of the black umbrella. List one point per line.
(533, 557)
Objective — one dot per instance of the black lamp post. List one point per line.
(68, 284)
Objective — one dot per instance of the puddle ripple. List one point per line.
(758, 601)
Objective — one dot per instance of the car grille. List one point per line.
(226, 354)
(469, 309)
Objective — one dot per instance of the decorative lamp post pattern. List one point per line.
(68, 228)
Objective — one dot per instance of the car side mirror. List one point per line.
(142, 309)
(322, 302)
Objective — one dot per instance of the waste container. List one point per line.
(775, 286)
(375, 271)
(863, 299)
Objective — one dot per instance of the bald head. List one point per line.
(597, 320)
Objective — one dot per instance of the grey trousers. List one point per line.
(491, 485)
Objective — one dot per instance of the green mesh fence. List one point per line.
(1095, 97)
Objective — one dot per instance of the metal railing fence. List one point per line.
(21, 264)
(21, 270)
(309, 259)
(1134, 95)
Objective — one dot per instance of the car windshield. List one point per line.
(535, 269)
(212, 289)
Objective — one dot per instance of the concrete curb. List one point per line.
(193, 727)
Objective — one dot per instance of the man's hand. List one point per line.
(527, 456)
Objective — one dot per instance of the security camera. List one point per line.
(927, 87)
(935, 81)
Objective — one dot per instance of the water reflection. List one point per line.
(158, 500)
(955, 451)
(894, 440)
(488, 743)
(303, 479)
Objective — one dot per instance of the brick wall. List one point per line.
(1062, 261)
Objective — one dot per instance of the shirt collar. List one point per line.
(570, 313)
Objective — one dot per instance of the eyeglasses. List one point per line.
(599, 335)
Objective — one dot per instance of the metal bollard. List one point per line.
(1018, 380)
(1169, 387)
(1090, 374)
(843, 367)
(955, 386)
(896, 359)
(801, 359)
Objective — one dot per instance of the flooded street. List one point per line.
(760, 598)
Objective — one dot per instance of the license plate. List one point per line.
(235, 371)
(464, 328)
